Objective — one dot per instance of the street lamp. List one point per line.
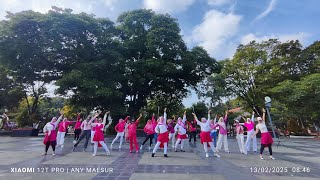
(267, 100)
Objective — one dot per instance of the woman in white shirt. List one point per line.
(205, 133)
(266, 138)
(51, 134)
(181, 130)
(163, 138)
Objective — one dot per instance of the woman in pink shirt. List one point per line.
(240, 137)
(170, 124)
(149, 130)
(62, 131)
(250, 131)
(192, 130)
(132, 133)
(223, 133)
(120, 127)
(77, 129)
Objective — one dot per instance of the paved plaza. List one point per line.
(20, 158)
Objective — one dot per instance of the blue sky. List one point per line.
(217, 25)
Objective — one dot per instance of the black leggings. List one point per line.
(77, 133)
(85, 134)
(192, 134)
(150, 136)
(266, 145)
(53, 145)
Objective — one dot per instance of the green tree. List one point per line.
(25, 45)
(10, 92)
(156, 58)
(302, 98)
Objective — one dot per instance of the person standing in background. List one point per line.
(77, 128)
(192, 130)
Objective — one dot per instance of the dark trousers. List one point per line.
(192, 134)
(77, 133)
(150, 136)
(266, 145)
(53, 145)
(85, 133)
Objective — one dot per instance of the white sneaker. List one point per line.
(53, 154)
(74, 141)
(141, 147)
(108, 153)
(272, 158)
(261, 157)
(93, 154)
(216, 155)
(207, 155)
(217, 150)
(119, 147)
(61, 146)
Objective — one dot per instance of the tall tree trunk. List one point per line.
(28, 104)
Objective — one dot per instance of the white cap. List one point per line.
(236, 121)
(259, 119)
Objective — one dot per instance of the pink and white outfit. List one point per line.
(250, 131)
(163, 135)
(98, 137)
(223, 133)
(62, 131)
(266, 138)
(240, 138)
(120, 127)
(50, 137)
(205, 135)
(182, 132)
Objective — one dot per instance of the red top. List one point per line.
(121, 125)
(132, 128)
(64, 125)
(78, 123)
(192, 127)
(149, 129)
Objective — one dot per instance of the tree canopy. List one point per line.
(96, 62)
(285, 71)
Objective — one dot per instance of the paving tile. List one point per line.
(25, 152)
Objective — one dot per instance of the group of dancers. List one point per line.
(162, 130)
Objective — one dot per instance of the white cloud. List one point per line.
(267, 11)
(110, 4)
(301, 36)
(218, 2)
(215, 33)
(168, 6)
